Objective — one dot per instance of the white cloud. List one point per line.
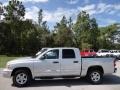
(117, 7)
(2, 17)
(42, 1)
(108, 8)
(5, 3)
(32, 13)
(58, 14)
(55, 16)
(72, 1)
(88, 8)
(101, 8)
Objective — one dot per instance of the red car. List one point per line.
(88, 53)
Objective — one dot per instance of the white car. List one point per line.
(103, 52)
(115, 53)
(58, 62)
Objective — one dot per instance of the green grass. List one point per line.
(4, 59)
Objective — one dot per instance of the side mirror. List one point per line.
(42, 57)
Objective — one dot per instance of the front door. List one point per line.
(49, 64)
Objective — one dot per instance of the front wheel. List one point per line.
(21, 78)
(95, 76)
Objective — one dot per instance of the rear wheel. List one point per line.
(21, 78)
(95, 76)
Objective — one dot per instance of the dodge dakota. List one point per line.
(58, 62)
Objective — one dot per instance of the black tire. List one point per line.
(20, 72)
(92, 80)
(107, 55)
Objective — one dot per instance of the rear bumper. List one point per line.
(6, 73)
(115, 70)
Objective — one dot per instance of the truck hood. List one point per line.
(21, 60)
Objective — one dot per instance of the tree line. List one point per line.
(20, 36)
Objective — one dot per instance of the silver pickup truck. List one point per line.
(58, 62)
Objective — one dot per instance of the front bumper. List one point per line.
(7, 73)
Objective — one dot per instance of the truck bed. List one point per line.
(105, 62)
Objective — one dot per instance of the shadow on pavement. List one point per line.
(111, 80)
(107, 80)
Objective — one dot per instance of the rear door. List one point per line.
(70, 64)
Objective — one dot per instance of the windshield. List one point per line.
(40, 52)
(104, 51)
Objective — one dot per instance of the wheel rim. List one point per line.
(95, 76)
(21, 78)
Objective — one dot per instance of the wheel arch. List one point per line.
(96, 67)
(22, 68)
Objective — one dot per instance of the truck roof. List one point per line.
(62, 48)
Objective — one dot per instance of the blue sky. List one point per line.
(106, 12)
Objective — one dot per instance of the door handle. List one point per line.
(55, 62)
(75, 61)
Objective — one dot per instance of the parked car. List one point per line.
(58, 62)
(103, 52)
(88, 53)
(115, 53)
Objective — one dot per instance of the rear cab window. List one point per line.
(68, 53)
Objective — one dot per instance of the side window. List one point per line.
(52, 54)
(68, 53)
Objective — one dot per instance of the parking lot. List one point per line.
(111, 82)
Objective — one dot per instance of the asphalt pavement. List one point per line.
(1, 71)
(111, 82)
